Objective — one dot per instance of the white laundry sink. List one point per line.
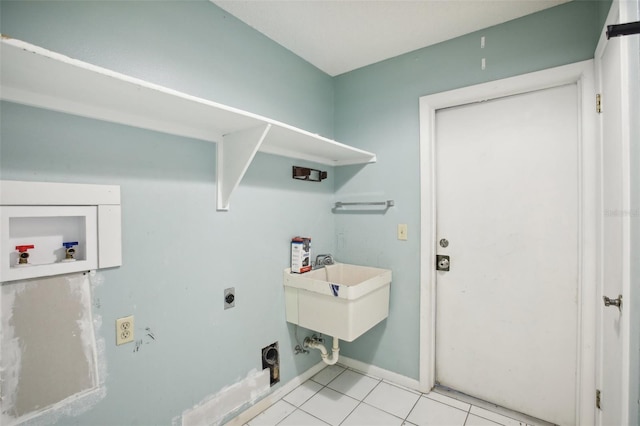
(340, 300)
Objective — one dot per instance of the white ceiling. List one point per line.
(341, 35)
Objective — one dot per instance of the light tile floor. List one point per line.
(341, 396)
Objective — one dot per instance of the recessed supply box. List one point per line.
(57, 228)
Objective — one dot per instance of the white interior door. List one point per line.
(613, 378)
(507, 189)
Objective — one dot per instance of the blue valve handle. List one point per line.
(70, 244)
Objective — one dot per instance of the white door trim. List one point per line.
(580, 73)
(618, 14)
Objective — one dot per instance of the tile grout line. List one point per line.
(468, 410)
(303, 402)
(467, 417)
(406, 419)
(319, 390)
(282, 419)
(369, 393)
(380, 380)
(494, 409)
(361, 401)
(307, 413)
(491, 420)
(404, 388)
(350, 413)
(383, 410)
(496, 413)
(499, 414)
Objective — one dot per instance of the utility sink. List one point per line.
(340, 300)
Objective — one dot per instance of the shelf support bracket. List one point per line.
(235, 153)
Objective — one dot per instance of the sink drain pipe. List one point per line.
(316, 344)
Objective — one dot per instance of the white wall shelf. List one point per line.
(31, 75)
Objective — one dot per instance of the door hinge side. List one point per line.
(598, 399)
(598, 103)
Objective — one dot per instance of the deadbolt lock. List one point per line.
(442, 262)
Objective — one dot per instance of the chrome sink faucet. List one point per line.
(322, 260)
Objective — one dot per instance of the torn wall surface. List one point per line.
(228, 401)
(48, 354)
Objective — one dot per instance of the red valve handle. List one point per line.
(22, 249)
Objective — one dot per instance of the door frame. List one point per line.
(617, 14)
(581, 73)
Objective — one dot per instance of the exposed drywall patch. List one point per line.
(51, 363)
(10, 355)
(216, 408)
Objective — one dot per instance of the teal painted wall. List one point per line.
(376, 109)
(168, 182)
(179, 252)
(187, 45)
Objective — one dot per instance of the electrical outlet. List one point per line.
(402, 231)
(124, 330)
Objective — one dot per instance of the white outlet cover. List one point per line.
(124, 330)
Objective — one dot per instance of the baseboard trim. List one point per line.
(274, 396)
(368, 369)
(381, 373)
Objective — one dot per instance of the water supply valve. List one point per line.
(70, 251)
(23, 257)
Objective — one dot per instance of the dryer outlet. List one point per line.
(271, 360)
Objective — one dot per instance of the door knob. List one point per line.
(613, 302)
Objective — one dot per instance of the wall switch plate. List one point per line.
(402, 231)
(124, 330)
